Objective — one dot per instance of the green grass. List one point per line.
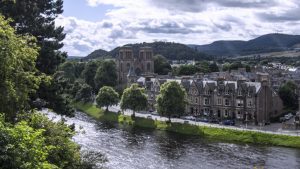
(208, 132)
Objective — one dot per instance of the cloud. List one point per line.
(183, 21)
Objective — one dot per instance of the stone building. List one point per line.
(130, 65)
(251, 102)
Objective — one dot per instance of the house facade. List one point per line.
(251, 102)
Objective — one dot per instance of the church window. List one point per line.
(148, 67)
(128, 66)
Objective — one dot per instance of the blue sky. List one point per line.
(81, 10)
(106, 24)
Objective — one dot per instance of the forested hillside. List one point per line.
(262, 44)
(170, 50)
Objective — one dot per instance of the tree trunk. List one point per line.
(106, 108)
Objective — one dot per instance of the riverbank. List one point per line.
(208, 132)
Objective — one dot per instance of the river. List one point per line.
(135, 148)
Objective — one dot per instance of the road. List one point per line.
(274, 128)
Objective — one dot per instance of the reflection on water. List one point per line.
(128, 148)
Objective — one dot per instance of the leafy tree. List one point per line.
(171, 100)
(18, 76)
(107, 96)
(287, 93)
(161, 65)
(23, 147)
(89, 72)
(37, 18)
(187, 70)
(106, 75)
(68, 69)
(134, 98)
(213, 67)
(85, 93)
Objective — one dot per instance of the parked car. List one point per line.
(288, 116)
(214, 121)
(282, 119)
(188, 118)
(229, 122)
(202, 120)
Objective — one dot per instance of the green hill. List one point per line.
(172, 51)
(263, 44)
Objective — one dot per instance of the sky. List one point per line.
(106, 24)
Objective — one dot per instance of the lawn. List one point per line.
(208, 132)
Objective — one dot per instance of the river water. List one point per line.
(135, 148)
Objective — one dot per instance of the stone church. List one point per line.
(130, 66)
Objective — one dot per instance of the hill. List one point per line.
(262, 44)
(172, 51)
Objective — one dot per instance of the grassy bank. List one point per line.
(208, 132)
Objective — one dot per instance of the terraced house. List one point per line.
(252, 102)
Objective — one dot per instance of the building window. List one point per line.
(196, 100)
(226, 113)
(240, 103)
(226, 92)
(128, 66)
(148, 67)
(219, 101)
(206, 101)
(249, 103)
(226, 102)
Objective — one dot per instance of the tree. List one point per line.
(107, 96)
(106, 75)
(213, 67)
(18, 76)
(134, 98)
(89, 72)
(161, 65)
(171, 100)
(287, 93)
(85, 93)
(37, 18)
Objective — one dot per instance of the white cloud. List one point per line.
(181, 21)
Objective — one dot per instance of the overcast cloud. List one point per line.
(184, 21)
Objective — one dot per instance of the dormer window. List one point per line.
(239, 92)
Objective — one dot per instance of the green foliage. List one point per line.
(107, 96)
(89, 73)
(23, 147)
(161, 65)
(134, 98)
(85, 93)
(106, 74)
(18, 76)
(37, 18)
(171, 100)
(287, 93)
(186, 70)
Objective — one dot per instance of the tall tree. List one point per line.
(171, 100)
(161, 65)
(134, 98)
(89, 72)
(107, 96)
(18, 76)
(288, 94)
(37, 17)
(106, 75)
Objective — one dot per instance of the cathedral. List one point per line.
(131, 66)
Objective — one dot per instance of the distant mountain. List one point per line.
(100, 53)
(170, 50)
(262, 44)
